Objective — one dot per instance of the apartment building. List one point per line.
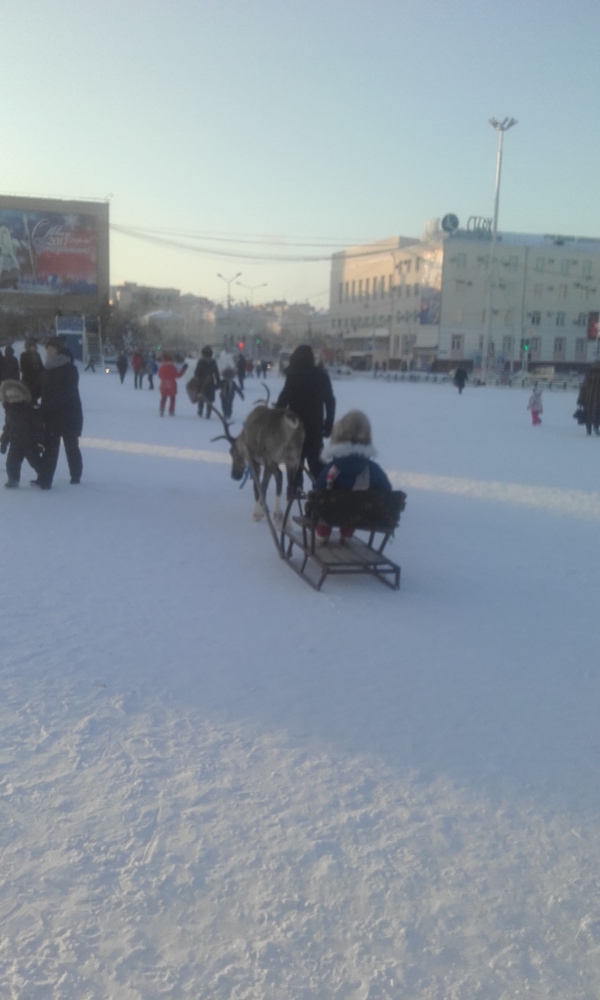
(409, 302)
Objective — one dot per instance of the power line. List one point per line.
(175, 244)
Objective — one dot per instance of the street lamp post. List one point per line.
(501, 128)
(229, 282)
(252, 289)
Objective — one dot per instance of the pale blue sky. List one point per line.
(302, 121)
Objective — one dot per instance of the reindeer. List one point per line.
(270, 437)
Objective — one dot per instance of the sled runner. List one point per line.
(376, 512)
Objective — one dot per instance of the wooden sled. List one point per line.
(373, 511)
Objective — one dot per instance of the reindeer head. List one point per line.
(239, 459)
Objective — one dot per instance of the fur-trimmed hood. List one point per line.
(343, 449)
(12, 391)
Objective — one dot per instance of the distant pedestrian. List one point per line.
(589, 398)
(10, 367)
(227, 392)
(22, 431)
(151, 369)
(168, 375)
(535, 405)
(460, 377)
(60, 407)
(122, 365)
(137, 363)
(241, 369)
(90, 367)
(32, 367)
(207, 374)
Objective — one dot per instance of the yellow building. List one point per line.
(409, 302)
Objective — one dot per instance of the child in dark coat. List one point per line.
(349, 466)
(228, 390)
(22, 430)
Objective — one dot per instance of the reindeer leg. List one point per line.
(258, 512)
(277, 515)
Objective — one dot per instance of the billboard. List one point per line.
(47, 253)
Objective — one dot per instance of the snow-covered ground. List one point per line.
(219, 784)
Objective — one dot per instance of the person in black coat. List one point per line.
(31, 368)
(209, 380)
(241, 369)
(21, 435)
(10, 365)
(122, 365)
(460, 377)
(308, 393)
(62, 413)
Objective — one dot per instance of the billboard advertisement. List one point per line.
(431, 287)
(47, 253)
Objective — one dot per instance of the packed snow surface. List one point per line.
(219, 784)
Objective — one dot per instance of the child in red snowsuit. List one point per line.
(168, 375)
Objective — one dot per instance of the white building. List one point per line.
(409, 301)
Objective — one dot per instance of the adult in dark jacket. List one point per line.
(460, 377)
(208, 378)
(10, 365)
(122, 365)
(589, 398)
(308, 393)
(22, 430)
(62, 414)
(31, 368)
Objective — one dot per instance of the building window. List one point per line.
(417, 263)
(360, 290)
(509, 317)
(456, 345)
(458, 315)
(565, 266)
(367, 281)
(341, 298)
(383, 287)
(586, 268)
(512, 262)
(396, 347)
(353, 291)
(560, 319)
(562, 291)
(538, 289)
(460, 287)
(408, 263)
(539, 263)
(399, 291)
(580, 349)
(536, 318)
(391, 284)
(417, 289)
(559, 348)
(507, 347)
(461, 260)
(408, 289)
(347, 290)
(581, 319)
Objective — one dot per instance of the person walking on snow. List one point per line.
(61, 411)
(208, 378)
(460, 377)
(168, 375)
(535, 405)
(122, 366)
(137, 363)
(22, 431)
(349, 466)
(228, 391)
(308, 393)
(589, 398)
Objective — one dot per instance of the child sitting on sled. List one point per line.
(349, 466)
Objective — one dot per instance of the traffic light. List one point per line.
(525, 345)
(257, 341)
(241, 345)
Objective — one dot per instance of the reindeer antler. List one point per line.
(263, 402)
(227, 436)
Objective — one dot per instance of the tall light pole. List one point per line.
(229, 282)
(501, 128)
(252, 289)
